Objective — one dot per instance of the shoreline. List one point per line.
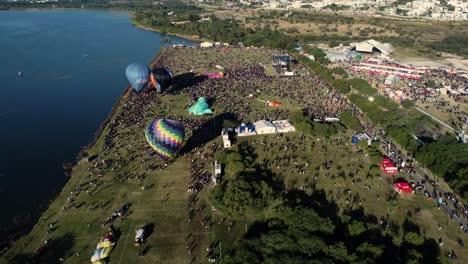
(26, 228)
(193, 38)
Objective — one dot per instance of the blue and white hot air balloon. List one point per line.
(137, 75)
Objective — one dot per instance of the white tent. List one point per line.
(283, 126)
(364, 47)
(264, 127)
(206, 44)
(368, 46)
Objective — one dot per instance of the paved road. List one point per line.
(436, 119)
(448, 206)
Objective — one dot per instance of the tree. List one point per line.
(356, 228)
(431, 84)
(341, 85)
(351, 121)
(385, 102)
(234, 164)
(369, 249)
(362, 86)
(407, 104)
(414, 239)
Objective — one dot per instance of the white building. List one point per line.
(370, 45)
(264, 127)
(217, 173)
(226, 141)
(283, 126)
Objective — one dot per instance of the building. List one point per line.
(245, 130)
(226, 140)
(336, 56)
(283, 126)
(264, 127)
(217, 173)
(372, 46)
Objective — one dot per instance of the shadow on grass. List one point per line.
(185, 80)
(208, 131)
(372, 244)
(50, 252)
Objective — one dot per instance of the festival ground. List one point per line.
(121, 171)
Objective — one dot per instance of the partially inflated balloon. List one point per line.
(161, 78)
(165, 136)
(137, 75)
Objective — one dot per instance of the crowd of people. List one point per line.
(442, 88)
(124, 145)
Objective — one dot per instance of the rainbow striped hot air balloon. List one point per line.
(165, 136)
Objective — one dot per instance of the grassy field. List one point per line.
(164, 203)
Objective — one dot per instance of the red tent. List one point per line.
(403, 187)
(388, 166)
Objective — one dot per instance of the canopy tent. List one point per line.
(264, 127)
(403, 187)
(245, 130)
(388, 166)
(359, 137)
(200, 107)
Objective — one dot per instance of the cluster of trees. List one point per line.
(245, 189)
(351, 121)
(339, 71)
(225, 30)
(345, 85)
(335, 7)
(373, 111)
(453, 44)
(306, 228)
(306, 126)
(386, 102)
(342, 85)
(318, 53)
(362, 86)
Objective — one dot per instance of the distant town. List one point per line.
(431, 9)
(454, 10)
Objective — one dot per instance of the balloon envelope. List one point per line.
(137, 75)
(165, 136)
(161, 78)
(200, 107)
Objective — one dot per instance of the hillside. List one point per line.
(289, 197)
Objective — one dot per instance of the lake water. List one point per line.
(73, 65)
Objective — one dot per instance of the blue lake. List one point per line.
(73, 65)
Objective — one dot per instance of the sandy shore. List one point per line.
(193, 38)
